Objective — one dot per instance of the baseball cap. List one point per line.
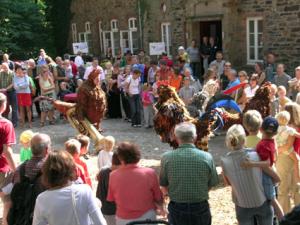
(270, 125)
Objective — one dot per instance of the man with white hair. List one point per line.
(187, 174)
(6, 86)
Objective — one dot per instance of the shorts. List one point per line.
(269, 187)
(5, 179)
(24, 99)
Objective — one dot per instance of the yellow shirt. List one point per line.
(252, 140)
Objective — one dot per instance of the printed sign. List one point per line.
(157, 48)
(80, 46)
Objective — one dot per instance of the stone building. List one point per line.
(244, 29)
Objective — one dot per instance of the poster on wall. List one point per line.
(80, 46)
(157, 48)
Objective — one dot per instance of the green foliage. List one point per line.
(23, 29)
(58, 13)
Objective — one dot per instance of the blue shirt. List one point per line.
(41, 61)
(140, 67)
(233, 83)
(21, 84)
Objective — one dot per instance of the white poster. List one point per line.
(157, 48)
(80, 46)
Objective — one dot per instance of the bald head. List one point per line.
(40, 144)
(5, 67)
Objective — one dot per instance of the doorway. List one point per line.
(212, 29)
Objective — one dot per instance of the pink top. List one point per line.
(146, 98)
(134, 189)
(297, 143)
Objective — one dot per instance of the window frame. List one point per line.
(114, 25)
(100, 36)
(87, 27)
(74, 32)
(256, 44)
(134, 23)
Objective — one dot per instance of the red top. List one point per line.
(7, 137)
(134, 189)
(86, 174)
(266, 150)
(297, 143)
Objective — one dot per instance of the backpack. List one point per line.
(23, 196)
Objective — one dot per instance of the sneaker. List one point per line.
(139, 125)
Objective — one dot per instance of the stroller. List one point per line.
(143, 222)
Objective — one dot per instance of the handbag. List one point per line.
(74, 207)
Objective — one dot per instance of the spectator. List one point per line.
(142, 193)
(48, 90)
(274, 103)
(132, 84)
(187, 92)
(266, 149)
(108, 208)
(195, 83)
(73, 65)
(63, 90)
(113, 98)
(25, 151)
(281, 78)
(252, 88)
(42, 58)
(22, 86)
(52, 66)
(247, 189)
(7, 164)
(241, 97)
(175, 79)
(126, 60)
(164, 71)
(213, 49)
(270, 67)
(94, 66)
(252, 122)
(205, 53)
(285, 140)
(148, 101)
(65, 203)
(219, 62)
(32, 72)
(78, 60)
(259, 70)
(282, 98)
(183, 55)
(10, 63)
(72, 146)
(124, 94)
(194, 56)
(224, 76)
(152, 72)
(61, 73)
(105, 156)
(210, 75)
(142, 57)
(6, 86)
(188, 196)
(233, 81)
(294, 84)
(84, 145)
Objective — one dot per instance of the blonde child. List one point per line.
(105, 156)
(282, 98)
(148, 100)
(252, 122)
(25, 139)
(285, 139)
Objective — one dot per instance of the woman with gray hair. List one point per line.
(247, 189)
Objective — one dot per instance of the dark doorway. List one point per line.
(212, 29)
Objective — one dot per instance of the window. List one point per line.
(132, 24)
(124, 41)
(166, 36)
(74, 32)
(107, 41)
(87, 27)
(114, 25)
(254, 40)
(100, 35)
(86, 37)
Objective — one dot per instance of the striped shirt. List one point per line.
(247, 188)
(188, 173)
(6, 79)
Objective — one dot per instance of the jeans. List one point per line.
(135, 108)
(195, 66)
(205, 65)
(12, 100)
(148, 115)
(263, 214)
(189, 213)
(126, 105)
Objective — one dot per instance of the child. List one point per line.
(108, 208)
(73, 147)
(252, 122)
(25, 139)
(282, 98)
(63, 90)
(286, 135)
(148, 100)
(84, 147)
(105, 156)
(266, 149)
(274, 105)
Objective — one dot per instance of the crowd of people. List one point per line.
(128, 192)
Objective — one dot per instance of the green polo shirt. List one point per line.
(188, 173)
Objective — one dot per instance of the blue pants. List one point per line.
(135, 108)
(189, 213)
(263, 214)
(12, 101)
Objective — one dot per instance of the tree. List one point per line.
(23, 28)
(59, 16)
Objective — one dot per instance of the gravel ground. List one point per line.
(152, 149)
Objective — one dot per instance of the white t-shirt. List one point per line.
(90, 69)
(79, 61)
(250, 92)
(55, 207)
(104, 159)
(134, 85)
